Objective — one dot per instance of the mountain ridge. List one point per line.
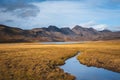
(53, 33)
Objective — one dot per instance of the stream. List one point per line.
(82, 72)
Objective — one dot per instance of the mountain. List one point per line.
(107, 34)
(85, 33)
(53, 33)
(8, 34)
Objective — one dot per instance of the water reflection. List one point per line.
(83, 72)
(61, 42)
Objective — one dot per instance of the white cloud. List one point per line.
(66, 13)
(100, 27)
(94, 25)
(88, 24)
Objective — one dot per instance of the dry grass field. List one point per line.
(32, 61)
(101, 54)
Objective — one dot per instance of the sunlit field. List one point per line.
(33, 61)
(101, 54)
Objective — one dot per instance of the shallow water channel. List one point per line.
(62, 42)
(82, 72)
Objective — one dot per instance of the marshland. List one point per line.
(35, 61)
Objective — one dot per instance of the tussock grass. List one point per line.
(32, 61)
(102, 54)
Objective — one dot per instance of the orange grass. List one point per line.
(33, 61)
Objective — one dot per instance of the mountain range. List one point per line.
(53, 33)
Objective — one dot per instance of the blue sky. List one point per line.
(27, 14)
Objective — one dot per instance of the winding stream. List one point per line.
(82, 72)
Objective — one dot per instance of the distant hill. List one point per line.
(53, 33)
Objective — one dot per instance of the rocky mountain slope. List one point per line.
(53, 33)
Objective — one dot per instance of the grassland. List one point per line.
(101, 54)
(32, 61)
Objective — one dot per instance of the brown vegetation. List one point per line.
(32, 61)
(102, 54)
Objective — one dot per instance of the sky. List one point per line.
(28, 14)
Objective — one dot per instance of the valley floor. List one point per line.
(34, 61)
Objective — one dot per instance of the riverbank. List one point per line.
(80, 71)
(34, 62)
(103, 54)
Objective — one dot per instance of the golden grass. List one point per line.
(102, 54)
(32, 61)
